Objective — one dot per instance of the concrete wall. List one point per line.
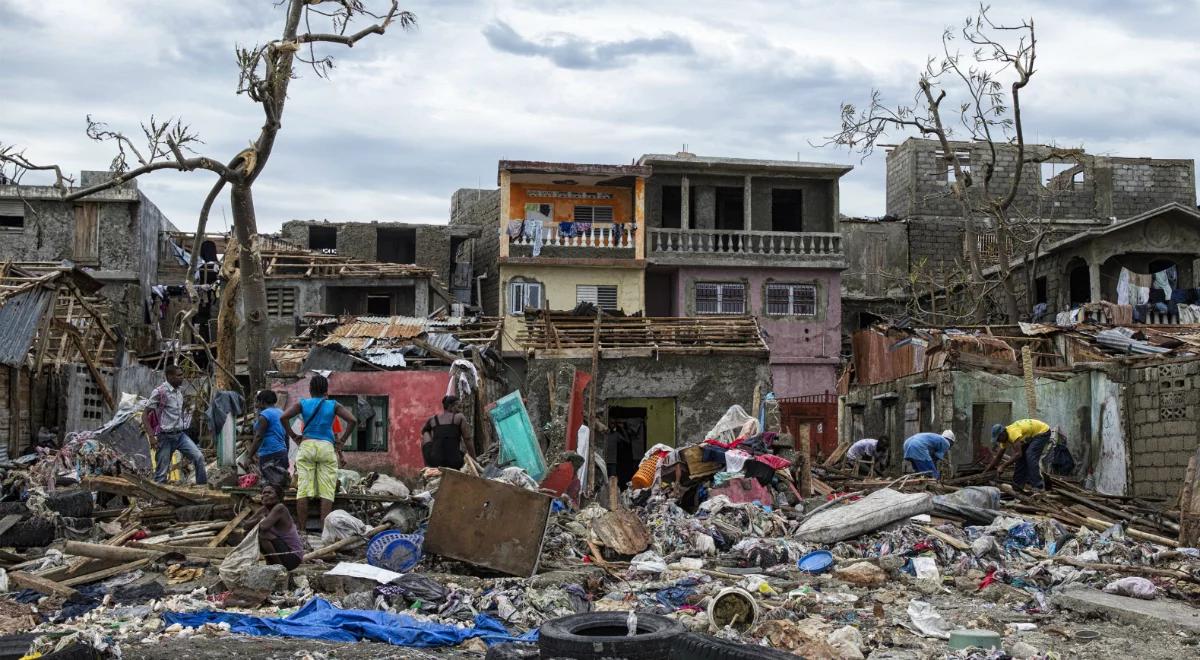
(818, 198)
(1112, 186)
(703, 387)
(360, 240)
(558, 286)
(876, 258)
(1163, 405)
(804, 351)
(481, 208)
(413, 396)
(1084, 405)
(127, 244)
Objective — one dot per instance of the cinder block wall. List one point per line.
(1163, 408)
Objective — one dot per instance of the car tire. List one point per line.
(693, 646)
(599, 635)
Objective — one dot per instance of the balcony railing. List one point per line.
(765, 243)
(598, 236)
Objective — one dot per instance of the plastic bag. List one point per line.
(648, 562)
(245, 555)
(390, 486)
(341, 525)
(1135, 587)
(927, 620)
(731, 423)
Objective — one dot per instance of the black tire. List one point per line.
(29, 533)
(513, 651)
(71, 503)
(692, 646)
(15, 647)
(602, 635)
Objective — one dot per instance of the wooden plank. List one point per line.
(228, 529)
(107, 573)
(488, 523)
(41, 585)
(349, 541)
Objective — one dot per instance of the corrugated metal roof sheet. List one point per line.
(19, 319)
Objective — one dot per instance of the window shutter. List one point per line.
(602, 214)
(606, 297)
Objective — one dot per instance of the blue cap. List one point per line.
(997, 429)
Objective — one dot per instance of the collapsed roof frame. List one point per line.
(567, 335)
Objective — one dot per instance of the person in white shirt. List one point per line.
(171, 426)
(871, 451)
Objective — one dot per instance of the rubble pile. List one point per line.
(96, 554)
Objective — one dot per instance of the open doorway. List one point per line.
(626, 442)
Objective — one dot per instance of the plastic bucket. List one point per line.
(817, 561)
(402, 554)
(732, 606)
(379, 543)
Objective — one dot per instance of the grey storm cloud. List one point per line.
(571, 51)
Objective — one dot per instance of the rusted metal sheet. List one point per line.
(20, 317)
(488, 523)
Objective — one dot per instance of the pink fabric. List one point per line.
(776, 462)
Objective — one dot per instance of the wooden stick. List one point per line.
(107, 573)
(228, 529)
(1121, 568)
(203, 552)
(41, 585)
(344, 543)
(953, 542)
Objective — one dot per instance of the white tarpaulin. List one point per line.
(870, 513)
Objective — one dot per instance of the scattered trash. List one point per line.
(927, 620)
(1135, 587)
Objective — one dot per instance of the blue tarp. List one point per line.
(318, 619)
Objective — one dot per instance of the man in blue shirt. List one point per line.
(924, 450)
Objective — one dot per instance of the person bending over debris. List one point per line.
(1029, 437)
(868, 450)
(168, 422)
(320, 451)
(924, 450)
(445, 436)
(278, 538)
(270, 446)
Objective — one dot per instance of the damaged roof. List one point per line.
(383, 342)
(700, 163)
(567, 335)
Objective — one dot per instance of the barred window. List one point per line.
(791, 300)
(720, 298)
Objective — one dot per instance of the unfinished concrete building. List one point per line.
(1062, 192)
(112, 234)
(446, 250)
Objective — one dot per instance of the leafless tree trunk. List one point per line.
(266, 71)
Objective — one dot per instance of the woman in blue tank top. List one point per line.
(320, 452)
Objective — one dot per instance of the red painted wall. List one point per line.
(413, 396)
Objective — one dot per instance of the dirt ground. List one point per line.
(274, 648)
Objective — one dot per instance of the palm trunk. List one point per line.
(254, 288)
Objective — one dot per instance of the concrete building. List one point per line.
(1130, 420)
(1067, 191)
(113, 235)
(1089, 268)
(568, 233)
(444, 249)
(759, 237)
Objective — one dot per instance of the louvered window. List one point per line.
(603, 296)
(585, 213)
(281, 301)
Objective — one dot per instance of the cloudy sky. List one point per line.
(409, 117)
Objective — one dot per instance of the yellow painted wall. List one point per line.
(558, 283)
(660, 418)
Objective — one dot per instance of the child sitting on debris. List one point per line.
(270, 446)
(278, 538)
